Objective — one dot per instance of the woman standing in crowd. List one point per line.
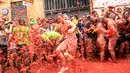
(100, 38)
(67, 42)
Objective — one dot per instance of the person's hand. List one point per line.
(58, 42)
(93, 27)
(70, 31)
(86, 30)
(81, 35)
(8, 44)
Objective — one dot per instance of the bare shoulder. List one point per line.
(70, 23)
(111, 21)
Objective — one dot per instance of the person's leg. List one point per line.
(111, 46)
(16, 62)
(59, 51)
(79, 45)
(84, 47)
(101, 42)
(63, 63)
(89, 49)
(102, 47)
(11, 63)
(127, 46)
(78, 51)
(70, 60)
(0, 68)
(122, 46)
(71, 46)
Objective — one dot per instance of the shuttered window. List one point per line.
(65, 5)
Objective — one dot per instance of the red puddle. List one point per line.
(83, 66)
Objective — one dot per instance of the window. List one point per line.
(57, 6)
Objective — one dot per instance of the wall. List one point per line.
(34, 11)
(6, 4)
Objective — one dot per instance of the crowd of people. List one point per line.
(63, 39)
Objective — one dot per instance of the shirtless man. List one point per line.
(112, 35)
(100, 39)
(68, 45)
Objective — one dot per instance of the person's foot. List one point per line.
(63, 69)
(112, 61)
(102, 61)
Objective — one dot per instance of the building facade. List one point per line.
(43, 8)
(17, 9)
(70, 7)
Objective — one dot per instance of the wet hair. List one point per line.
(52, 19)
(103, 10)
(93, 19)
(100, 19)
(118, 8)
(126, 12)
(43, 20)
(76, 16)
(88, 16)
(94, 12)
(31, 19)
(71, 16)
(60, 14)
(125, 9)
(107, 14)
(38, 18)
